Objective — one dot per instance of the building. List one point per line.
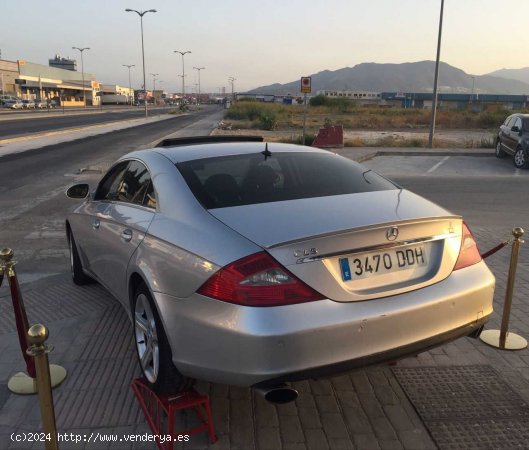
(8, 75)
(28, 80)
(115, 94)
(63, 63)
(362, 97)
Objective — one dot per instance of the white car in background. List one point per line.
(28, 104)
(13, 104)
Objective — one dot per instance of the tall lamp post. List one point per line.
(436, 76)
(130, 85)
(198, 69)
(231, 80)
(82, 69)
(141, 14)
(183, 71)
(154, 75)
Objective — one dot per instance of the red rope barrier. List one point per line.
(22, 324)
(494, 250)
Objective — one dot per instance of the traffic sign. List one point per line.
(305, 85)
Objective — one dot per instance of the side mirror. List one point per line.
(515, 129)
(78, 191)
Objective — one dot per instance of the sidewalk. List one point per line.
(464, 393)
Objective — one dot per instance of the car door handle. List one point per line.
(96, 224)
(126, 235)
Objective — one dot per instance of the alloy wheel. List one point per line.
(146, 338)
(519, 158)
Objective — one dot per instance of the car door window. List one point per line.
(134, 185)
(517, 123)
(150, 197)
(108, 186)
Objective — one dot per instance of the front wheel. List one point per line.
(520, 159)
(152, 346)
(500, 153)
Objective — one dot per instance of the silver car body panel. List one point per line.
(234, 344)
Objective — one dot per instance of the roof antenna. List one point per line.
(267, 153)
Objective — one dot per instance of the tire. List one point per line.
(152, 347)
(78, 275)
(520, 159)
(500, 153)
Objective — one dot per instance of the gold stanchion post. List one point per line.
(502, 338)
(37, 336)
(21, 382)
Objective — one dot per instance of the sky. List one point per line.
(261, 42)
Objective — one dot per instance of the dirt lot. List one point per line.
(359, 138)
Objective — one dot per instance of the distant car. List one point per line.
(513, 139)
(41, 104)
(13, 104)
(255, 264)
(28, 104)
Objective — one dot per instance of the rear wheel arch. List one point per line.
(164, 377)
(135, 281)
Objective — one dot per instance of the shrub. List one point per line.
(319, 100)
(490, 119)
(268, 120)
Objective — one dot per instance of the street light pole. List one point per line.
(141, 14)
(436, 76)
(183, 71)
(130, 86)
(82, 69)
(154, 75)
(198, 69)
(472, 92)
(231, 79)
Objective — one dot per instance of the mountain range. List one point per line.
(408, 77)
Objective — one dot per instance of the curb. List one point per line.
(73, 130)
(361, 154)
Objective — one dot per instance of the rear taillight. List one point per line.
(469, 252)
(258, 280)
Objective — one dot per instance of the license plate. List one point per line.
(376, 263)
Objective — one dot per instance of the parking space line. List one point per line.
(434, 168)
(516, 172)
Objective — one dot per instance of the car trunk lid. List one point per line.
(356, 246)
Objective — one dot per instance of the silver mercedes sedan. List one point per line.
(255, 264)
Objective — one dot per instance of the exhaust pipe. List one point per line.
(278, 394)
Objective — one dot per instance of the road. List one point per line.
(30, 122)
(485, 190)
(32, 186)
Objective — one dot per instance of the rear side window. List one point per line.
(226, 181)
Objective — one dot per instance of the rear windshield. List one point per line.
(225, 181)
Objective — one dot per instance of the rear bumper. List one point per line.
(389, 356)
(231, 344)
